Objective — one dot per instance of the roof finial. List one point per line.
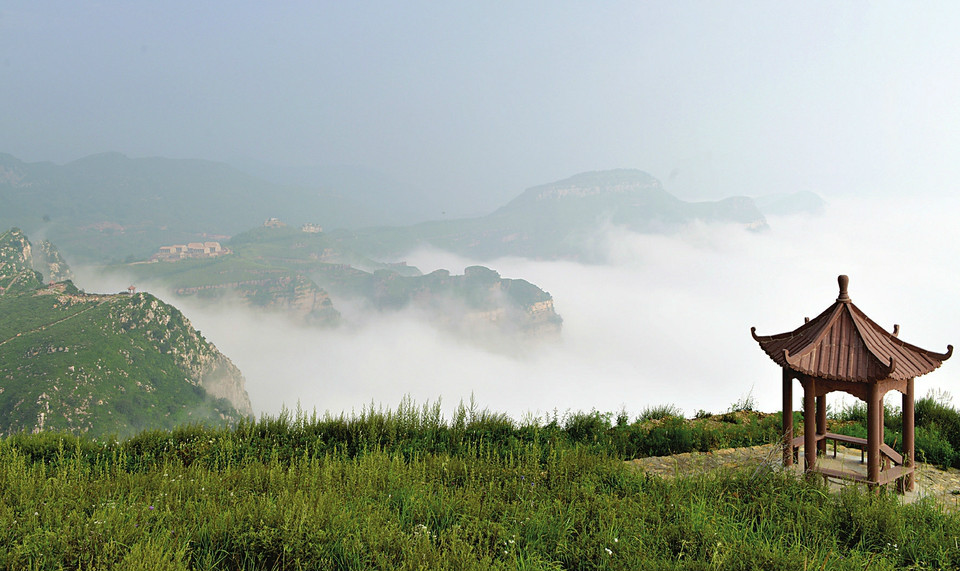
(843, 281)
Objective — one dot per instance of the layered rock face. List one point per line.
(480, 302)
(296, 296)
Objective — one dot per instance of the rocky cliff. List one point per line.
(16, 264)
(293, 295)
(19, 257)
(171, 333)
(478, 303)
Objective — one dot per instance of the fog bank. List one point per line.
(667, 320)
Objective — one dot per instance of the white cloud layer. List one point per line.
(666, 321)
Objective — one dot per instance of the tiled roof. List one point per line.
(842, 343)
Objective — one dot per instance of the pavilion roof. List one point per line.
(843, 344)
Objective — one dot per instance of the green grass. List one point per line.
(408, 489)
(937, 422)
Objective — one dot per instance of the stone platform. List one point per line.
(943, 485)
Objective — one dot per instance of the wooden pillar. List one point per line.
(874, 432)
(821, 424)
(881, 428)
(908, 433)
(787, 418)
(809, 424)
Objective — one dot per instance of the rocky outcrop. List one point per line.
(542, 320)
(203, 364)
(20, 262)
(48, 261)
(222, 379)
(480, 300)
(296, 296)
(16, 264)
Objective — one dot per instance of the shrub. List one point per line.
(587, 427)
(660, 412)
(933, 447)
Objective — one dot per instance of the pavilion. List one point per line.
(844, 350)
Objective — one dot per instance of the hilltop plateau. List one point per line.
(102, 364)
(304, 274)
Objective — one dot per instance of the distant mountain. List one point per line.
(108, 206)
(103, 364)
(563, 219)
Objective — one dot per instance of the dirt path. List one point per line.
(44, 326)
(944, 485)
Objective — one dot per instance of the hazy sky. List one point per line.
(477, 102)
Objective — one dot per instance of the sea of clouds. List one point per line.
(666, 320)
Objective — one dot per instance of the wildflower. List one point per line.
(151, 507)
(608, 550)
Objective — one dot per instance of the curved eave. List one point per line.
(912, 361)
(843, 344)
(799, 341)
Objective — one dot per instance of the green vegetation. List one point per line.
(100, 363)
(104, 364)
(937, 436)
(406, 489)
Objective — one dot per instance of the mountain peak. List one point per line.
(617, 181)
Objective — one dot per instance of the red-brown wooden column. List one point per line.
(809, 423)
(908, 434)
(874, 432)
(821, 424)
(787, 418)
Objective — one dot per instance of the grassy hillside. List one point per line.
(105, 364)
(100, 364)
(406, 489)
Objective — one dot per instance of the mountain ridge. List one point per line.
(108, 207)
